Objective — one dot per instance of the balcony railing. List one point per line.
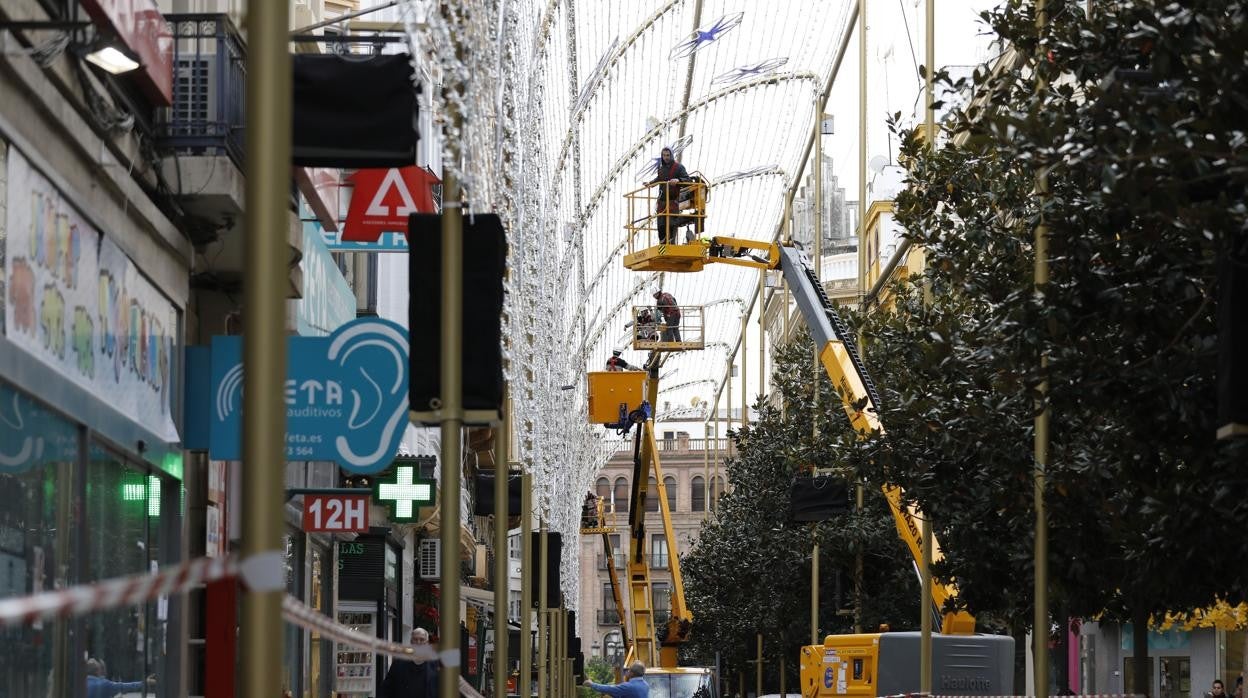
(608, 617)
(209, 87)
(620, 562)
(658, 561)
(680, 444)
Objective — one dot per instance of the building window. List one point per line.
(662, 601)
(609, 615)
(697, 494)
(658, 552)
(652, 496)
(669, 484)
(621, 494)
(513, 605)
(603, 488)
(513, 547)
(617, 553)
(717, 489)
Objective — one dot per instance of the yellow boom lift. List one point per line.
(866, 664)
(623, 400)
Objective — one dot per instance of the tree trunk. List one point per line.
(1140, 674)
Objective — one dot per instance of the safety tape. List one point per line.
(112, 593)
(140, 588)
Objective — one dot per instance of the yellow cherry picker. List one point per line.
(865, 664)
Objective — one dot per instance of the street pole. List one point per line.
(502, 476)
(862, 149)
(762, 335)
(814, 588)
(524, 682)
(925, 603)
(1040, 626)
(452, 421)
(543, 629)
(264, 345)
(758, 667)
(745, 402)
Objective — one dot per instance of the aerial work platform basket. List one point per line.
(651, 331)
(614, 394)
(665, 223)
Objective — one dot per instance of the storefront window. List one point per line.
(124, 506)
(320, 650)
(292, 654)
(37, 454)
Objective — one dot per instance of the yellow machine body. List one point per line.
(611, 390)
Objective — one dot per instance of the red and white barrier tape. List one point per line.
(140, 588)
(112, 593)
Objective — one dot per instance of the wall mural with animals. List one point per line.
(78, 303)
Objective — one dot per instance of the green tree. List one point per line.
(1142, 146)
(749, 571)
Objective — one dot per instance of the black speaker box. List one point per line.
(1233, 345)
(484, 504)
(485, 262)
(353, 112)
(554, 552)
(817, 498)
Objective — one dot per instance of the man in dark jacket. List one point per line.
(411, 679)
(667, 307)
(671, 173)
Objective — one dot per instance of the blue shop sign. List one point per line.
(327, 302)
(346, 396)
(386, 242)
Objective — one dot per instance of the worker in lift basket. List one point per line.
(669, 178)
(634, 687)
(666, 305)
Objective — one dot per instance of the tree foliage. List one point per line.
(749, 571)
(1120, 133)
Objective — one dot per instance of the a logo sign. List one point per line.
(346, 396)
(77, 303)
(335, 513)
(384, 198)
(405, 493)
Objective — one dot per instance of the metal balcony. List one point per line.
(608, 616)
(209, 87)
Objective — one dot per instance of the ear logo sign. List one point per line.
(345, 396)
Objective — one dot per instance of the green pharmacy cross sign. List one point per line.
(404, 494)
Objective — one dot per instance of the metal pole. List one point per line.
(452, 422)
(706, 465)
(925, 603)
(814, 588)
(782, 682)
(543, 621)
(1040, 626)
(264, 345)
(758, 668)
(862, 147)
(745, 401)
(858, 564)
(925, 609)
(817, 235)
(502, 475)
(524, 682)
(762, 334)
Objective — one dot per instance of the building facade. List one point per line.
(692, 481)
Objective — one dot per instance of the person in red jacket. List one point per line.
(671, 315)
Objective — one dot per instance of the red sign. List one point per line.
(335, 513)
(384, 198)
(140, 25)
(472, 655)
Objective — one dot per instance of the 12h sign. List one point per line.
(335, 513)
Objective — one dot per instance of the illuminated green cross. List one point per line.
(405, 494)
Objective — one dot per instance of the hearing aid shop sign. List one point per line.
(345, 395)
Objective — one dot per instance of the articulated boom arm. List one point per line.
(652, 646)
(839, 356)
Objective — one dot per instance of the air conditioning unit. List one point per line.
(429, 563)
